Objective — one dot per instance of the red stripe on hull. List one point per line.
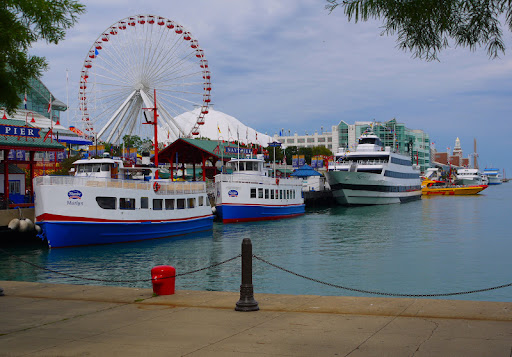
(48, 217)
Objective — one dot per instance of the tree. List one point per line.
(426, 27)
(23, 22)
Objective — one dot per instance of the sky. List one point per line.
(292, 65)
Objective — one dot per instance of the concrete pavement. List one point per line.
(76, 320)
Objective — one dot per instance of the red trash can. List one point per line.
(163, 278)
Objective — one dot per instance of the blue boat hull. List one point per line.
(70, 234)
(250, 213)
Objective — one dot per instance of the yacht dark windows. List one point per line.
(144, 203)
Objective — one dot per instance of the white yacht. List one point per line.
(373, 174)
(494, 176)
(470, 177)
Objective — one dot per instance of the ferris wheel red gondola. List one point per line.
(127, 62)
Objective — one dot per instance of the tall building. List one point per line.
(413, 142)
(329, 140)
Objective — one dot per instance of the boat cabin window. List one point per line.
(374, 141)
(191, 203)
(180, 203)
(266, 193)
(253, 193)
(271, 194)
(105, 167)
(169, 204)
(106, 202)
(127, 203)
(260, 193)
(144, 202)
(201, 200)
(157, 204)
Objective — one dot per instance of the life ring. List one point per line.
(277, 181)
(156, 186)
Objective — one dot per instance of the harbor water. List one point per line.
(437, 245)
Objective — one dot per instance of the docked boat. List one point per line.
(105, 202)
(470, 177)
(372, 175)
(494, 176)
(250, 193)
(434, 187)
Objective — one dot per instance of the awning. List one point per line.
(75, 140)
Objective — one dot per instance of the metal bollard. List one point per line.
(247, 302)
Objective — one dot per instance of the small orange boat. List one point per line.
(433, 187)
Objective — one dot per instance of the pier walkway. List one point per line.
(76, 320)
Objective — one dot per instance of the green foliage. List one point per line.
(66, 165)
(23, 22)
(134, 141)
(426, 27)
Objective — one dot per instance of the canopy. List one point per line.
(75, 140)
(305, 171)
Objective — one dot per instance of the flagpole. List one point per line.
(67, 95)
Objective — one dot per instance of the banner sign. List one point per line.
(302, 160)
(14, 130)
(295, 161)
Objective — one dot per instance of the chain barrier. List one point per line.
(378, 292)
(120, 281)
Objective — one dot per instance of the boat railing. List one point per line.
(256, 179)
(163, 187)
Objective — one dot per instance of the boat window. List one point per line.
(241, 166)
(253, 193)
(180, 203)
(280, 194)
(260, 193)
(127, 203)
(157, 204)
(169, 204)
(106, 202)
(144, 203)
(105, 167)
(201, 200)
(96, 167)
(277, 194)
(271, 194)
(249, 166)
(191, 203)
(266, 193)
(287, 194)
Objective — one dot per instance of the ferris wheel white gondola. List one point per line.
(123, 67)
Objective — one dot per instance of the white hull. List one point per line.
(358, 188)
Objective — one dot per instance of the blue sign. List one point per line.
(75, 195)
(14, 130)
(232, 150)
(275, 144)
(233, 193)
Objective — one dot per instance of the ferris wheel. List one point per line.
(128, 63)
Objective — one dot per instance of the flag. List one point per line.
(49, 107)
(96, 52)
(25, 100)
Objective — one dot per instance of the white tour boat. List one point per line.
(494, 176)
(373, 175)
(105, 202)
(251, 194)
(470, 177)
